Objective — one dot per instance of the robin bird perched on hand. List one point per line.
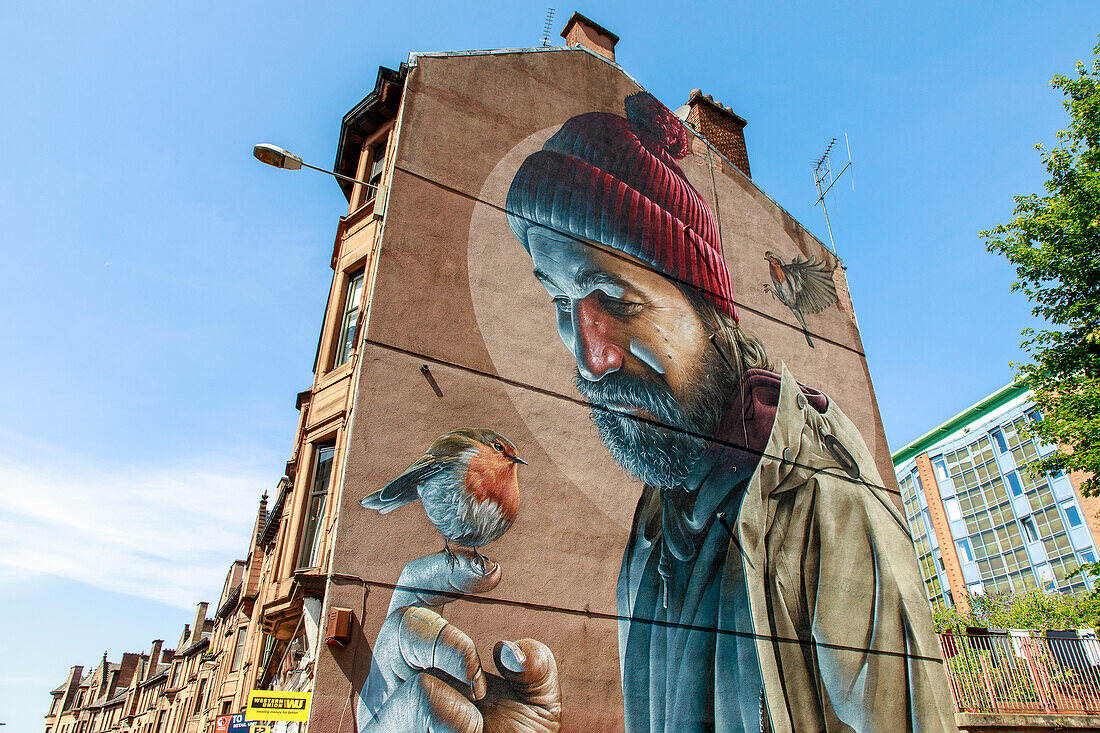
(804, 286)
(467, 482)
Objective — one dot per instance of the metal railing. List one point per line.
(1023, 673)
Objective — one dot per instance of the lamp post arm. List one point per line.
(340, 176)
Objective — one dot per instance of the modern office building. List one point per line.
(980, 520)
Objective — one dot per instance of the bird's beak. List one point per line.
(517, 459)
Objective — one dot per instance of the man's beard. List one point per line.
(658, 455)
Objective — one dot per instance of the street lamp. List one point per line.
(278, 157)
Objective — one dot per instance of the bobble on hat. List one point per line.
(614, 180)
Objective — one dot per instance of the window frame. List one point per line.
(316, 505)
(1031, 529)
(1069, 505)
(351, 310)
(238, 648)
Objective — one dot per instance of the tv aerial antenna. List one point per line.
(824, 179)
(548, 25)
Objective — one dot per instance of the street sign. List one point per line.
(236, 724)
(269, 705)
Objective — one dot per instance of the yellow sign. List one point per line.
(259, 728)
(268, 705)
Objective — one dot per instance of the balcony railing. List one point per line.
(1002, 673)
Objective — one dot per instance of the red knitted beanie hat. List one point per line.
(615, 181)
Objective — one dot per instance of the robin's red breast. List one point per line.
(467, 482)
(803, 285)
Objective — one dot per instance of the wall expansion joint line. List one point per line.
(842, 475)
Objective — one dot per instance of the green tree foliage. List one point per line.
(1054, 242)
(1034, 609)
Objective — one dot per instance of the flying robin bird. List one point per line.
(467, 483)
(804, 286)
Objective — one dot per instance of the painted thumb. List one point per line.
(530, 668)
(473, 575)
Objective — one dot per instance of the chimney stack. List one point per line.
(580, 31)
(72, 684)
(720, 126)
(200, 623)
(154, 658)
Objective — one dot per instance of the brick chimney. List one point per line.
(580, 31)
(200, 623)
(154, 658)
(720, 126)
(72, 685)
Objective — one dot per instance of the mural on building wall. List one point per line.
(768, 582)
(804, 285)
(467, 483)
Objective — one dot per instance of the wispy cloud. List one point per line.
(162, 533)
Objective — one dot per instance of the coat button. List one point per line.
(841, 455)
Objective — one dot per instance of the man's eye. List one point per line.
(620, 308)
(563, 304)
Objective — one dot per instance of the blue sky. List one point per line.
(162, 290)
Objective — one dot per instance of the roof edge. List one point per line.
(1002, 396)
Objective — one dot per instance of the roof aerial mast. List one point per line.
(824, 179)
(546, 28)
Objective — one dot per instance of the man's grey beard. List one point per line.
(663, 450)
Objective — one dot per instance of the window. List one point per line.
(349, 324)
(238, 651)
(175, 675)
(1088, 556)
(198, 697)
(977, 589)
(999, 439)
(1073, 517)
(964, 546)
(1029, 529)
(378, 164)
(940, 469)
(311, 535)
(1035, 415)
(954, 513)
(1014, 483)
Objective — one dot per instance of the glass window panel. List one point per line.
(1073, 517)
(1029, 529)
(350, 321)
(311, 534)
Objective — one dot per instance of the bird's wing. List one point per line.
(814, 290)
(403, 489)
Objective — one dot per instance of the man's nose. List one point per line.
(595, 333)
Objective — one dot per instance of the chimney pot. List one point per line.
(581, 31)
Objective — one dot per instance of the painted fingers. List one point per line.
(425, 703)
(427, 643)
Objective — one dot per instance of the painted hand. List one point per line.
(426, 674)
